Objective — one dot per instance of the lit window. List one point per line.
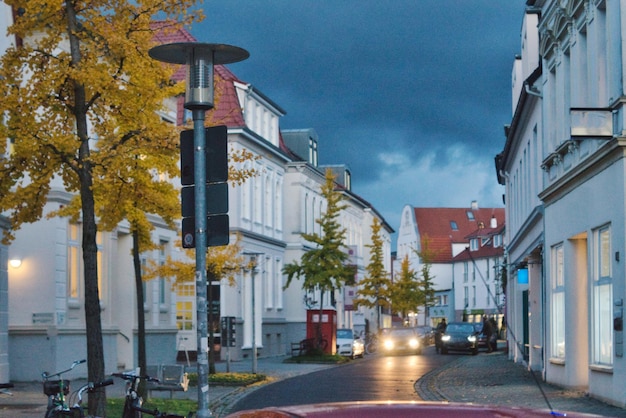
(602, 303)
(558, 303)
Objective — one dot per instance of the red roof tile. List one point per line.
(446, 226)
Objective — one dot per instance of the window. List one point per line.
(185, 306)
(558, 303)
(470, 215)
(474, 244)
(163, 253)
(73, 261)
(75, 270)
(465, 271)
(473, 296)
(602, 303)
(465, 296)
(454, 226)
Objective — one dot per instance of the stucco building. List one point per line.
(563, 166)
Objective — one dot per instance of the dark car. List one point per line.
(400, 340)
(460, 336)
(481, 338)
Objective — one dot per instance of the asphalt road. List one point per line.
(372, 378)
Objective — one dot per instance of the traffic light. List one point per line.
(216, 157)
(228, 331)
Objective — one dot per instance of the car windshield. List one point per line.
(401, 333)
(461, 328)
(344, 333)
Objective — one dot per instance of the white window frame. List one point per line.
(602, 299)
(557, 294)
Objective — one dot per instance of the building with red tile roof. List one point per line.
(449, 233)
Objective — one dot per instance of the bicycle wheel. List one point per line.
(370, 348)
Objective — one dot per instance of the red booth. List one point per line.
(328, 327)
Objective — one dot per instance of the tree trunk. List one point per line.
(141, 317)
(95, 355)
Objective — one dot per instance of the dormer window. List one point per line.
(497, 240)
(474, 244)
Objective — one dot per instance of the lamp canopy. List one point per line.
(200, 59)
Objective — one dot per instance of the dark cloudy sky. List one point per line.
(412, 95)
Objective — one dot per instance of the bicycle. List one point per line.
(372, 343)
(133, 402)
(58, 392)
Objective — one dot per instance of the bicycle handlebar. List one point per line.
(132, 376)
(45, 375)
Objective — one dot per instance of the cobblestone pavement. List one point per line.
(487, 378)
(493, 379)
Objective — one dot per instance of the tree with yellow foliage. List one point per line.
(374, 289)
(325, 266)
(80, 101)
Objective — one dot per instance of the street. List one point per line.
(374, 377)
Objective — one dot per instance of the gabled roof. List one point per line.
(444, 227)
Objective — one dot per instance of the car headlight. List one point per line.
(414, 343)
(471, 338)
(445, 338)
(388, 344)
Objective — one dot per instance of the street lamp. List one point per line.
(200, 59)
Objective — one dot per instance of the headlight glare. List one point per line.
(471, 338)
(445, 338)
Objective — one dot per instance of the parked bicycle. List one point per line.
(59, 398)
(371, 343)
(133, 402)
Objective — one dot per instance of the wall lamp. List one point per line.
(15, 262)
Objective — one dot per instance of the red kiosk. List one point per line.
(328, 327)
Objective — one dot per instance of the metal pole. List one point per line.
(254, 359)
(199, 142)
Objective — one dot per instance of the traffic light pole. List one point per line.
(199, 142)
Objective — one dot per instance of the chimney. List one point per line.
(494, 222)
(474, 205)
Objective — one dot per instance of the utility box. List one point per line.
(328, 324)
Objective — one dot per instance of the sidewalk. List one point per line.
(487, 378)
(493, 379)
(28, 400)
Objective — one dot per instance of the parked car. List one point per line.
(400, 340)
(426, 334)
(460, 336)
(349, 344)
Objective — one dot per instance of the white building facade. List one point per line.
(572, 155)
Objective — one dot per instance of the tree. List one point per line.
(324, 266)
(405, 293)
(426, 254)
(374, 288)
(80, 94)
